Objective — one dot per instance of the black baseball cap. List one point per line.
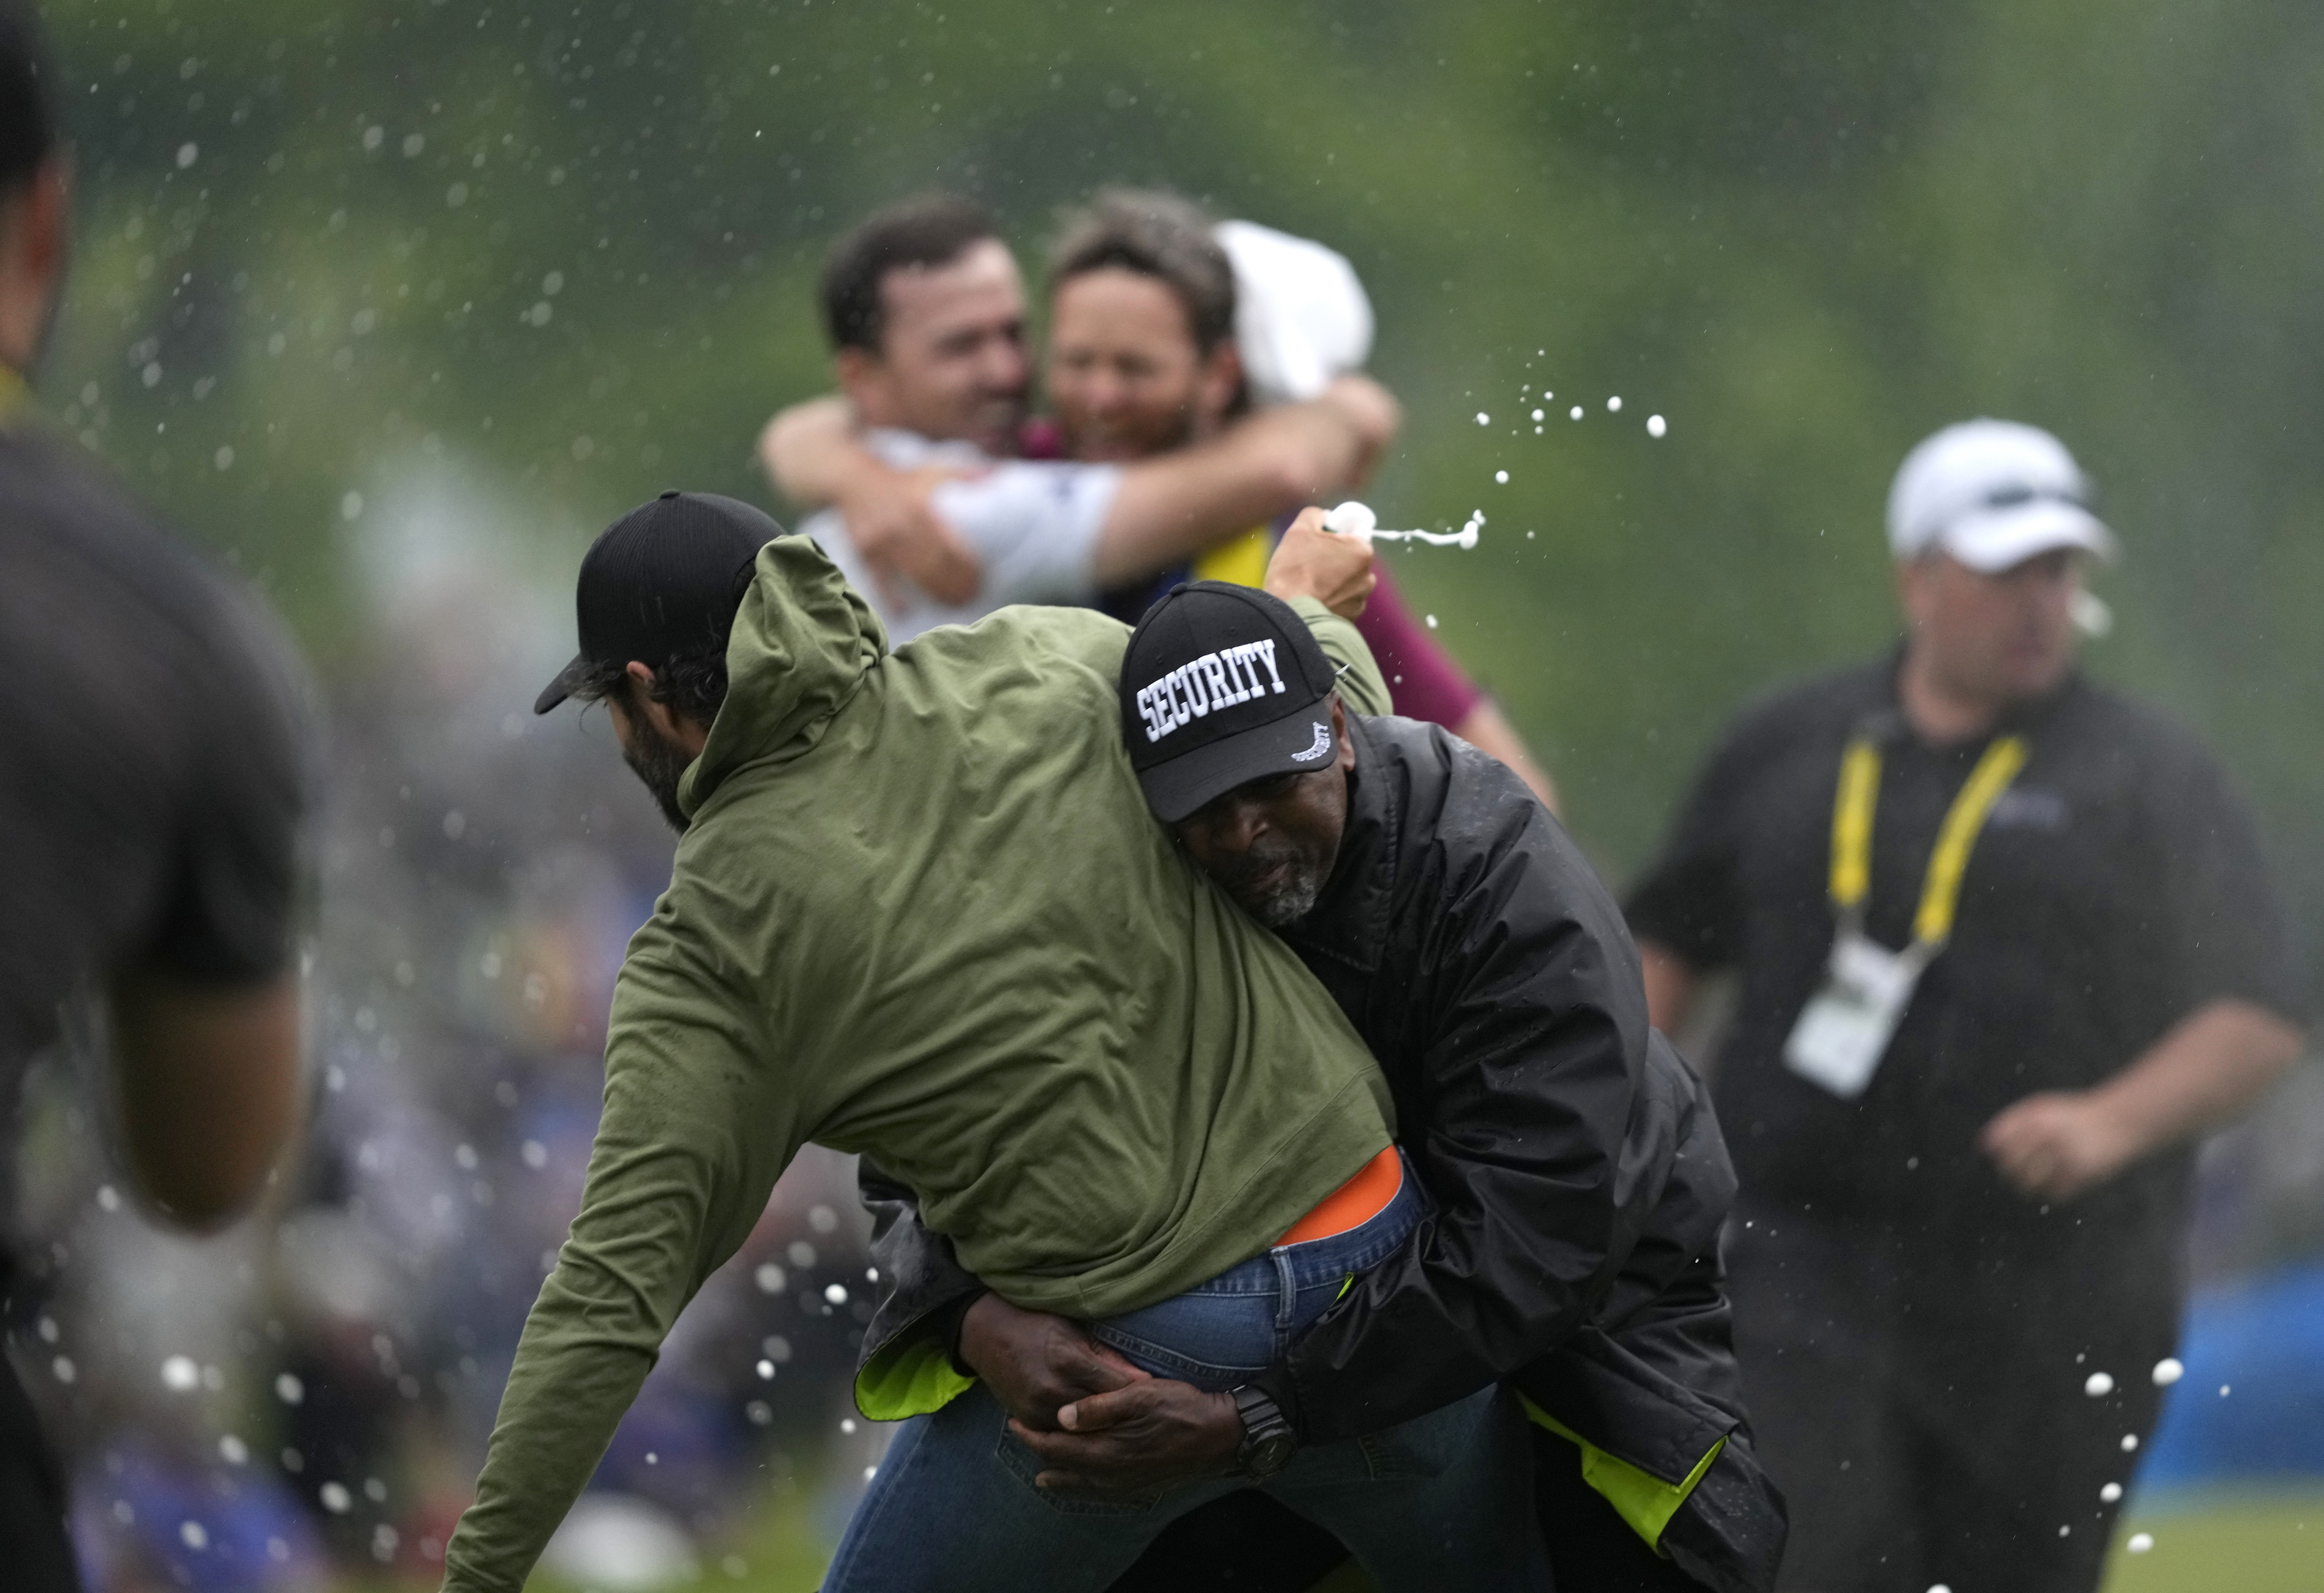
(1222, 684)
(664, 579)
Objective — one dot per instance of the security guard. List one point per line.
(2005, 949)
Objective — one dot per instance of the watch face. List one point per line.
(1270, 1453)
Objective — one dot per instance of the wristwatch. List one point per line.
(1268, 1440)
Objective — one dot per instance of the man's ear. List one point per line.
(1346, 760)
(673, 727)
(862, 376)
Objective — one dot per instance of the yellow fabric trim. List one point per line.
(910, 1375)
(13, 392)
(1851, 824)
(1987, 781)
(1241, 560)
(1346, 1283)
(1639, 1498)
(1852, 831)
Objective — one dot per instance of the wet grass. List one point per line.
(2245, 1542)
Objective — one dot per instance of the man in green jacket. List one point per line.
(918, 910)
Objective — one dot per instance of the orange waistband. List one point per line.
(1353, 1203)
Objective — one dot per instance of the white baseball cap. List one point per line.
(1301, 316)
(1993, 494)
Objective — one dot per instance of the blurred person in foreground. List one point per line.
(1475, 950)
(2006, 948)
(150, 801)
(919, 911)
(1205, 383)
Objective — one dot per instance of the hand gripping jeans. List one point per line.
(1442, 1502)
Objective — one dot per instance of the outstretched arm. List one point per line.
(1173, 506)
(813, 454)
(693, 1134)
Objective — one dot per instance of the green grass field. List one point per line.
(2225, 1543)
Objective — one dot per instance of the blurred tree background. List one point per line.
(568, 251)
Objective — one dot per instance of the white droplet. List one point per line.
(1351, 519)
(62, 1369)
(1939, 1588)
(193, 1535)
(2097, 1384)
(222, 459)
(180, 1374)
(2065, 1532)
(871, 1275)
(336, 1498)
(1537, 415)
(232, 1450)
(289, 1389)
(351, 506)
(1483, 418)
(2223, 1390)
(2129, 1442)
(1502, 476)
(652, 1459)
(535, 1154)
(1432, 622)
(2168, 1371)
(769, 1277)
(766, 1371)
(1654, 426)
(869, 1472)
(1576, 412)
(2140, 1542)
(835, 1292)
(187, 154)
(2110, 1493)
(1613, 406)
(847, 1424)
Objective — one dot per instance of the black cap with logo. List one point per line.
(664, 579)
(1222, 684)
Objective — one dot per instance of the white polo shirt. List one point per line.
(1033, 523)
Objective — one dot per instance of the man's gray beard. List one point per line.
(1289, 902)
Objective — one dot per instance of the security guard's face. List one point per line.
(1995, 639)
(1270, 844)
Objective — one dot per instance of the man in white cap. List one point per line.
(2006, 950)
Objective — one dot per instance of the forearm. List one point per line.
(2205, 1071)
(1360, 685)
(1172, 507)
(209, 1089)
(578, 1367)
(813, 453)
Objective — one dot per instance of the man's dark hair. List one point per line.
(28, 125)
(1156, 235)
(933, 229)
(690, 683)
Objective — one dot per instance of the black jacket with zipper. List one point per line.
(1578, 1177)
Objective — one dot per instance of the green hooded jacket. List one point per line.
(921, 911)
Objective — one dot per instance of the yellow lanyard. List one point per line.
(1851, 832)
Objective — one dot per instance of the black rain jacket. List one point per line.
(1578, 1177)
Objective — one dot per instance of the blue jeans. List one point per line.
(1442, 1502)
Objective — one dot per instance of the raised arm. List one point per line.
(815, 455)
(1177, 505)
